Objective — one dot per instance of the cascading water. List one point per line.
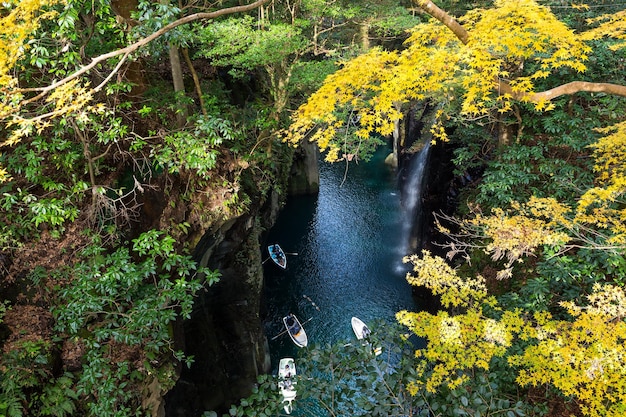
(411, 201)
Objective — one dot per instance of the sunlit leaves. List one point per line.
(20, 19)
(516, 236)
(612, 25)
(585, 358)
(242, 45)
(350, 88)
(437, 65)
(436, 274)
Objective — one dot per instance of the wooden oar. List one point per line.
(291, 253)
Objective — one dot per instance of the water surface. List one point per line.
(345, 249)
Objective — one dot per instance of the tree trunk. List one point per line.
(179, 85)
(365, 35)
(134, 73)
(196, 80)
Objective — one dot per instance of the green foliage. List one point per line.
(195, 150)
(58, 399)
(28, 385)
(240, 44)
(308, 76)
(154, 15)
(484, 394)
(395, 24)
(347, 379)
(128, 297)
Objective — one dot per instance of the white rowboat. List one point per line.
(278, 255)
(295, 330)
(361, 331)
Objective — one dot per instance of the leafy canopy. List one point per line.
(583, 358)
(438, 65)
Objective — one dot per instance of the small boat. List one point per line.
(287, 382)
(295, 330)
(361, 331)
(278, 255)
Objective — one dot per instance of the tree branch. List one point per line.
(140, 43)
(449, 21)
(503, 87)
(565, 89)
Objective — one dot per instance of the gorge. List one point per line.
(349, 238)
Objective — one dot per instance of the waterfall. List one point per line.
(411, 200)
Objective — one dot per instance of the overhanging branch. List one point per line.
(140, 43)
(503, 87)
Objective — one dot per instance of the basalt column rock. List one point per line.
(224, 334)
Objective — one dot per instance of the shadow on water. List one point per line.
(349, 241)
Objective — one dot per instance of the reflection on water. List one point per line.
(344, 257)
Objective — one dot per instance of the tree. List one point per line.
(466, 61)
(25, 110)
(244, 45)
(580, 357)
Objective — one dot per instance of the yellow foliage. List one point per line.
(70, 97)
(351, 87)
(610, 152)
(435, 274)
(585, 358)
(19, 19)
(438, 65)
(603, 208)
(611, 26)
(538, 222)
(455, 343)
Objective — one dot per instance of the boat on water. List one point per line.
(295, 330)
(361, 331)
(278, 255)
(287, 382)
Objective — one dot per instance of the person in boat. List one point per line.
(366, 332)
(288, 372)
(292, 324)
(287, 383)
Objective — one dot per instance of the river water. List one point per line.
(345, 249)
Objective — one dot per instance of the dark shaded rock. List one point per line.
(304, 177)
(224, 334)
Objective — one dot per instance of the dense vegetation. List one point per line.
(100, 119)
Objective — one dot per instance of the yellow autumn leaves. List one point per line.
(584, 358)
(19, 19)
(437, 64)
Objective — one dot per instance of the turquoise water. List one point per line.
(345, 249)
